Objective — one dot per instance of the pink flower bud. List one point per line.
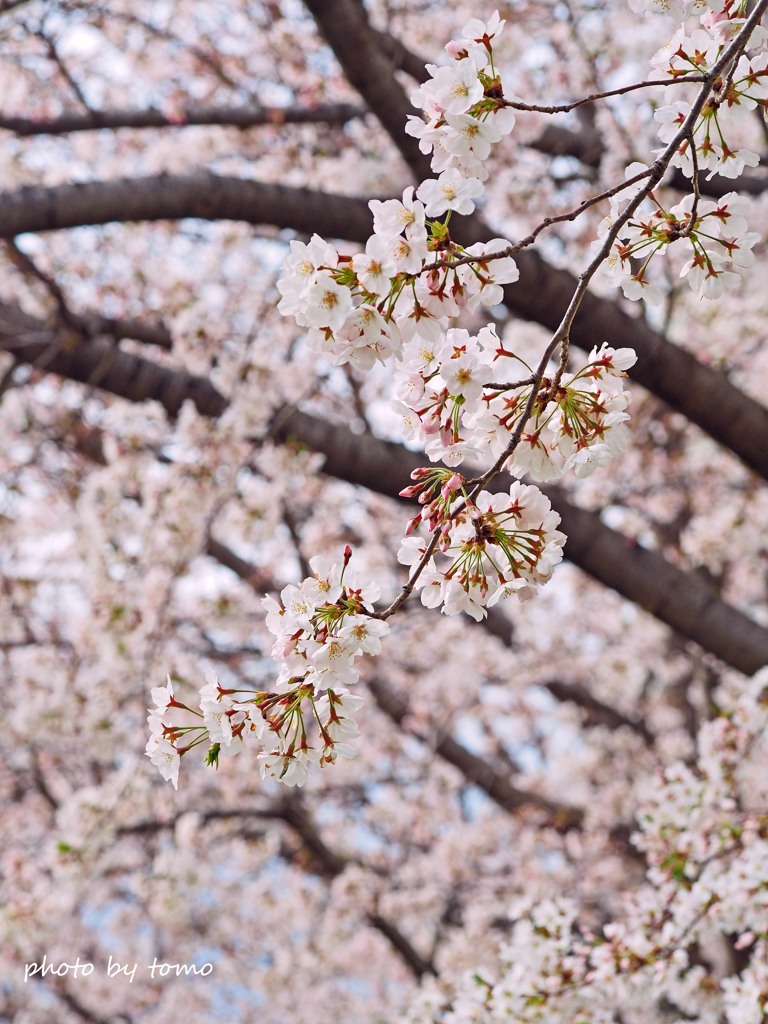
(432, 424)
(744, 940)
(454, 484)
(412, 525)
(410, 492)
(455, 49)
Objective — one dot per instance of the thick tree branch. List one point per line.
(542, 294)
(587, 146)
(402, 58)
(251, 574)
(100, 363)
(176, 197)
(475, 770)
(244, 116)
(596, 712)
(125, 329)
(370, 70)
(292, 811)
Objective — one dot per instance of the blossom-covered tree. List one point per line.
(320, 320)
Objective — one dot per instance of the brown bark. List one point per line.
(244, 116)
(370, 70)
(178, 196)
(475, 770)
(100, 363)
(699, 392)
(595, 711)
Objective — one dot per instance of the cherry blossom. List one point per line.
(547, 809)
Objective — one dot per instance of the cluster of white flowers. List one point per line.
(362, 309)
(697, 817)
(495, 546)
(466, 114)
(721, 113)
(704, 833)
(446, 399)
(712, 237)
(395, 301)
(320, 628)
(677, 9)
(319, 291)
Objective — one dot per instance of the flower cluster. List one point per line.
(731, 102)
(695, 818)
(446, 399)
(466, 114)
(323, 292)
(395, 302)
(323, 625)
(712, 238)
(705, 836)
(320, 628)
(361, 309)
(494, 546)
(680, 9)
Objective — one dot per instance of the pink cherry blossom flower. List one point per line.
(451, 191)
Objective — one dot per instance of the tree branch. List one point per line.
(542, 293)
(243, 116)
(587, 146)
(358, 49)
(597, 713)
(89, 325)
(251, 574)
(475, 770)
(11, 5)
(100, 363)
(179, 196)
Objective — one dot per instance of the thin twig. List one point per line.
(564, 108)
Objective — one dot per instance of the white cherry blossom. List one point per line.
(450, 191)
